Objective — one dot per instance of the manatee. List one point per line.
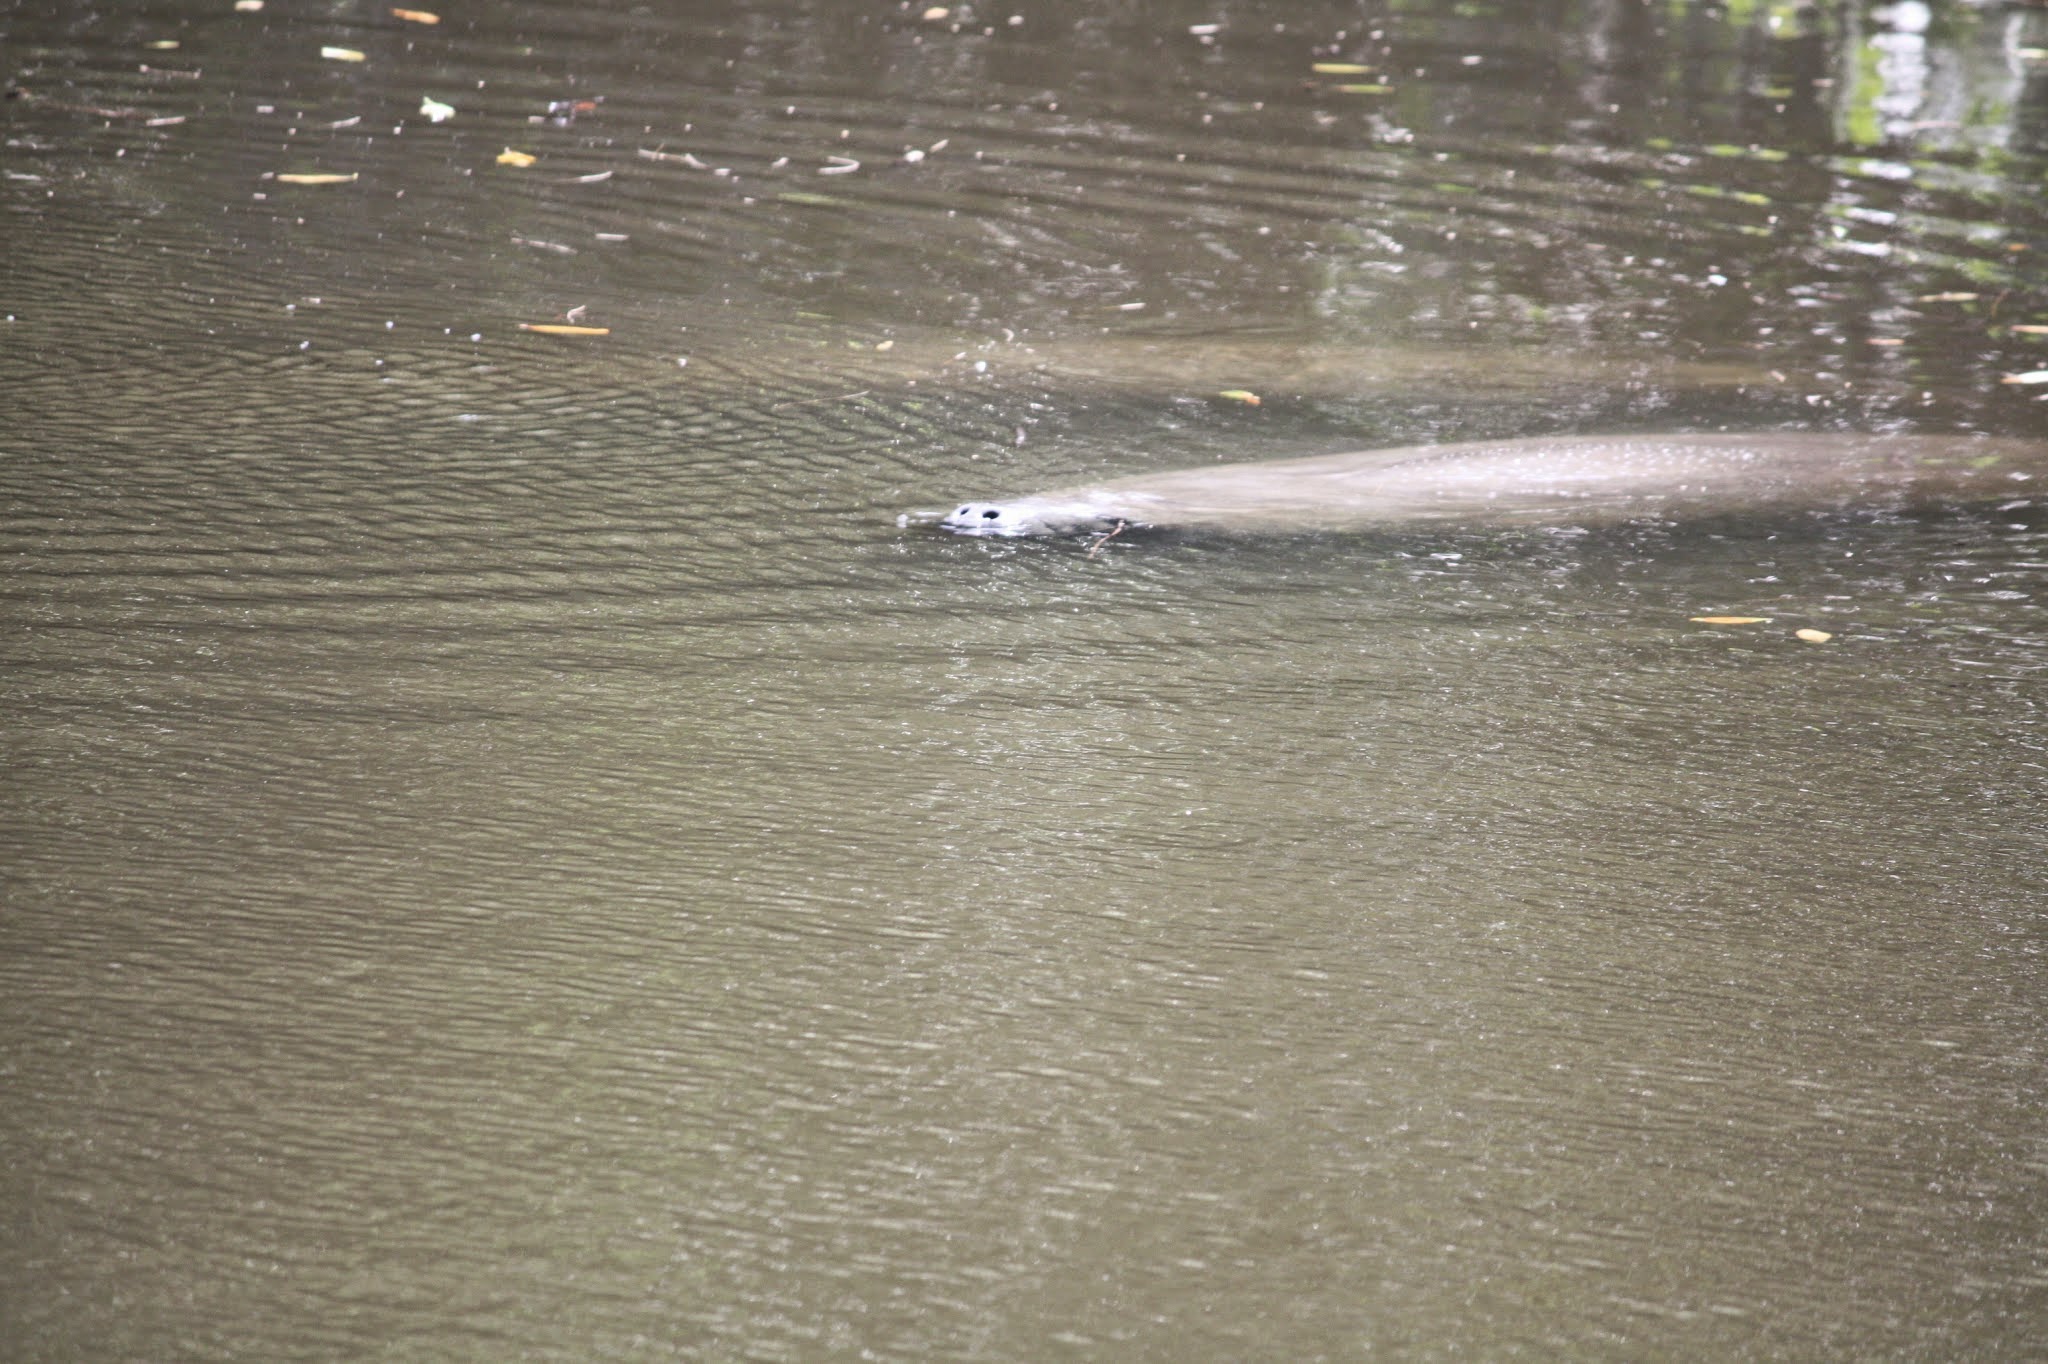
(1545, 481)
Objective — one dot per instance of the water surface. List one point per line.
(512, 851)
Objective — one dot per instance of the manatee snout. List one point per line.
(983, 518)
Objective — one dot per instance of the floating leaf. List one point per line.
(2029, 329)
(1886, 341)
(248, 6)
(1813, 636)
(314, 178)
(1367, 89)
(1340, 69)
(937, 14)
(436, 111)
(416, 16)
(509, 157)
(1240, 395)
(563, 329)
(1729, 620)
(1946, 298)
(343, 54)
(1724, 149)
(2032, 376)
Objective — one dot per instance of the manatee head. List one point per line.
(985, 518)
(1029, 516)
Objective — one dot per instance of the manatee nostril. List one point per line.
(991, 514)
(963, 511)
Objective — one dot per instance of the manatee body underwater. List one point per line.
(1546, 481)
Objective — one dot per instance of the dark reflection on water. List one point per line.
(511, 850)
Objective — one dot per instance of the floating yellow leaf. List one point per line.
(2032, 376)
(2029, 329)
(416, 16)
(1813, 636)
(563, 329)
(509, 157)
(1886, 341)
(1340, 69)
(937, 14)
(1729, 620)
(1240, 395)
(248, 6)
(1946, 298)
(314, 178)
(343, 54)
(1367, 89)
(164, 45)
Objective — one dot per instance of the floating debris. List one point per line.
(681, 158)
(513, 157)
(343, 54)
(841, 165)
(314, 178)
(416, 16)
(1240, 395)
(2032, 376)
(1812, 636)
(1729, 620)
(436, 111)
(563, 329)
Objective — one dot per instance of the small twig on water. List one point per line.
(1107, 536)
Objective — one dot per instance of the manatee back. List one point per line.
(1582, 479)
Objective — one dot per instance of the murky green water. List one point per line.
(511, 851)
